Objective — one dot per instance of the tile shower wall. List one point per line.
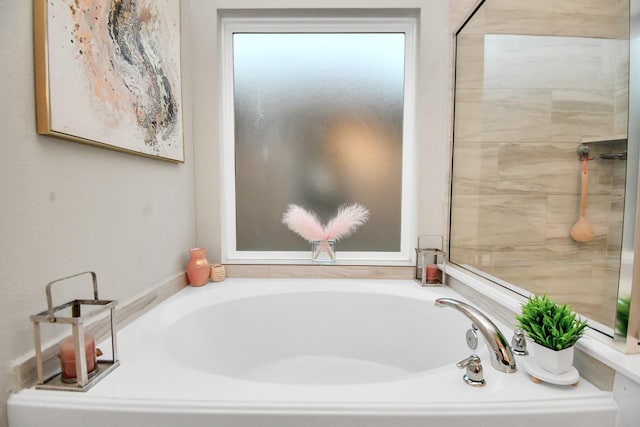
(525, 99)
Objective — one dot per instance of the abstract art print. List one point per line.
(108, 74)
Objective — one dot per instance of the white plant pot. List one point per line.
(556, 362)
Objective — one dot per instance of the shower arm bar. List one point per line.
(584, 150)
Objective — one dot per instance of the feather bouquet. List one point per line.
(308, 226)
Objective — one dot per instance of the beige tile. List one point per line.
(503, 115)
(591, 18)
(621, 105)
(578, 114)
(465, 217)
(459, 11)
(581, 18)
(470, 61)
(519, 61)
(563, 208)
(513, 17)
(319, 271)
(508, 219)
(475, 168)
(537, 168)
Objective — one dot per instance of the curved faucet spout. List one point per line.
(503, 359)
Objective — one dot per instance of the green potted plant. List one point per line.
(553, 329)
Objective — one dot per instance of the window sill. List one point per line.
(343, 258)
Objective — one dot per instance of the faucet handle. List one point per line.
(519, 343)
(473, 375)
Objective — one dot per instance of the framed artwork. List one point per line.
(108, 74)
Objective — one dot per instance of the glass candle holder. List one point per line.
(431, 260)
(323, 251)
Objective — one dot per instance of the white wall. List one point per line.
(69, 207)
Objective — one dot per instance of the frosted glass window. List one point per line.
(318, 122)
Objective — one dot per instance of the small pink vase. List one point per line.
(198, 268)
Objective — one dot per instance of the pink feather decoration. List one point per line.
(346, 221)
(307, 225)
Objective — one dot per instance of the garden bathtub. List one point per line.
(307, 352)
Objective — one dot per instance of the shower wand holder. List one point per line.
(81, 311)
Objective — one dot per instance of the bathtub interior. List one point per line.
(318, 337)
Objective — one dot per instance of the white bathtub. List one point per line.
(274, 352)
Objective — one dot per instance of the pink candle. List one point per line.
(432, 273)
(68, 356)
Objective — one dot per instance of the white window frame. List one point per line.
(292, 24)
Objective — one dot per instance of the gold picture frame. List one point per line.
(107, 73)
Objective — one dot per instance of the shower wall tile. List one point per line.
(514, 218)
(620, 60)
(600, 174)
(515, 61)
(591, 18)
(459, 11)
(562, 213)
(503, 115)
(470, 71)
(560, 231)
(549, 62)
(599, 213)
(464, 255)
(566, 250)
(512, 17)
(549, 277)
(578, 114)
(536, 168)
(524, 255)
(580, 18)
(586, 63)
(621, 105)
(576, 284)
(465, 214)
(475, 168)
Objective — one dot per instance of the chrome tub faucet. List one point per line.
(502, 359)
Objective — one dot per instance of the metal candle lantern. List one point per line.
(431, 260)
(77, 321)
